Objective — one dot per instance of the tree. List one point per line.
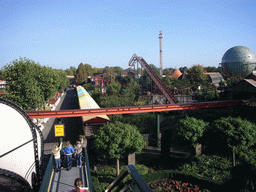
(237, 133)
(23, 86)
(166, 71)
(146, 81)
(81, 73)
(131, 90)
(156, 70)
(30, 84)
(197, 75)
(118, 70)
(89, 69)
(114, 88)
(117, 140)
(71, 71)
(47, 82)
(211, 69)
(191, 130)
(183, 69)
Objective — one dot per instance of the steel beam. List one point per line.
(129, 110)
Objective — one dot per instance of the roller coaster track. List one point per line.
(129, 110)
(170, 98)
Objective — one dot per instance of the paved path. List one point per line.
(73, 125)
(48, 131)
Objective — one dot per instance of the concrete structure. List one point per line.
(161, 54)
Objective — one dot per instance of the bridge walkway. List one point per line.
(64, 180)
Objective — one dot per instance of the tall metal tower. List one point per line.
(161, 53)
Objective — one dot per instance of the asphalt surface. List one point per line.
(73, 125)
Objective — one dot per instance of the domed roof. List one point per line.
(238, 61)
(239, 54)
(175, 74)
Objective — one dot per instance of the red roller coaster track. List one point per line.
(129, 110)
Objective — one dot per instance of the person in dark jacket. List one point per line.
(68, 151)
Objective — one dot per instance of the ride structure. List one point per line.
(168, 95)
(21, 151)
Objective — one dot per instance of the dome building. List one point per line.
(238, 61)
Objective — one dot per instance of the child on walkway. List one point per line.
(79, 186)
(56, 153)
(68, 151)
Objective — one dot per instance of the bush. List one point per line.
(212, 167)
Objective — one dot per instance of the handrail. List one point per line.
(47, 179)
(88, 172)
(48, 175)
(137, 179)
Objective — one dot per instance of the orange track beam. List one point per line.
(128, 110)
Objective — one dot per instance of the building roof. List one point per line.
(246, 85)
(87, 102)
(175, 74)
(215, 77)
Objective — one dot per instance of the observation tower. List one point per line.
(161, 53)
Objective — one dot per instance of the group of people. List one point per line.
(69, 151)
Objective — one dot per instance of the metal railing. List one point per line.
(47, 179)
(137, 184)
(87, 169)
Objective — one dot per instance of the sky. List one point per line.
(60, 33)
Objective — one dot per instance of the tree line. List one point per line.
(30, 85)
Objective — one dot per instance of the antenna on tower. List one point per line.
(161, 53)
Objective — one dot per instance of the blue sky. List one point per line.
(60, 34)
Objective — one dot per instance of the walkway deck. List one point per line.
(64, 180)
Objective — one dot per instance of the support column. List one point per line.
(165, 145)
(158, 129)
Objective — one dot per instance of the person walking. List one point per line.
(68, 151)
(56, 152)
(78, 151)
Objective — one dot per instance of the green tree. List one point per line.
(114, 88)
(118, 70)
(114, 101)
(156, 70)
(81, 73)
(47, 82)
(197, 75)
(237, 133)
(89, 87)
(211, 69)
(117, 140)
(97, 70)
(166, 71)
(131, 90)
(23, 86)
(71, 71)
(183, 69)
(89, 69)
(190, 129)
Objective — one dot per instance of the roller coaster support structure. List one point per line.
(170, 98)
